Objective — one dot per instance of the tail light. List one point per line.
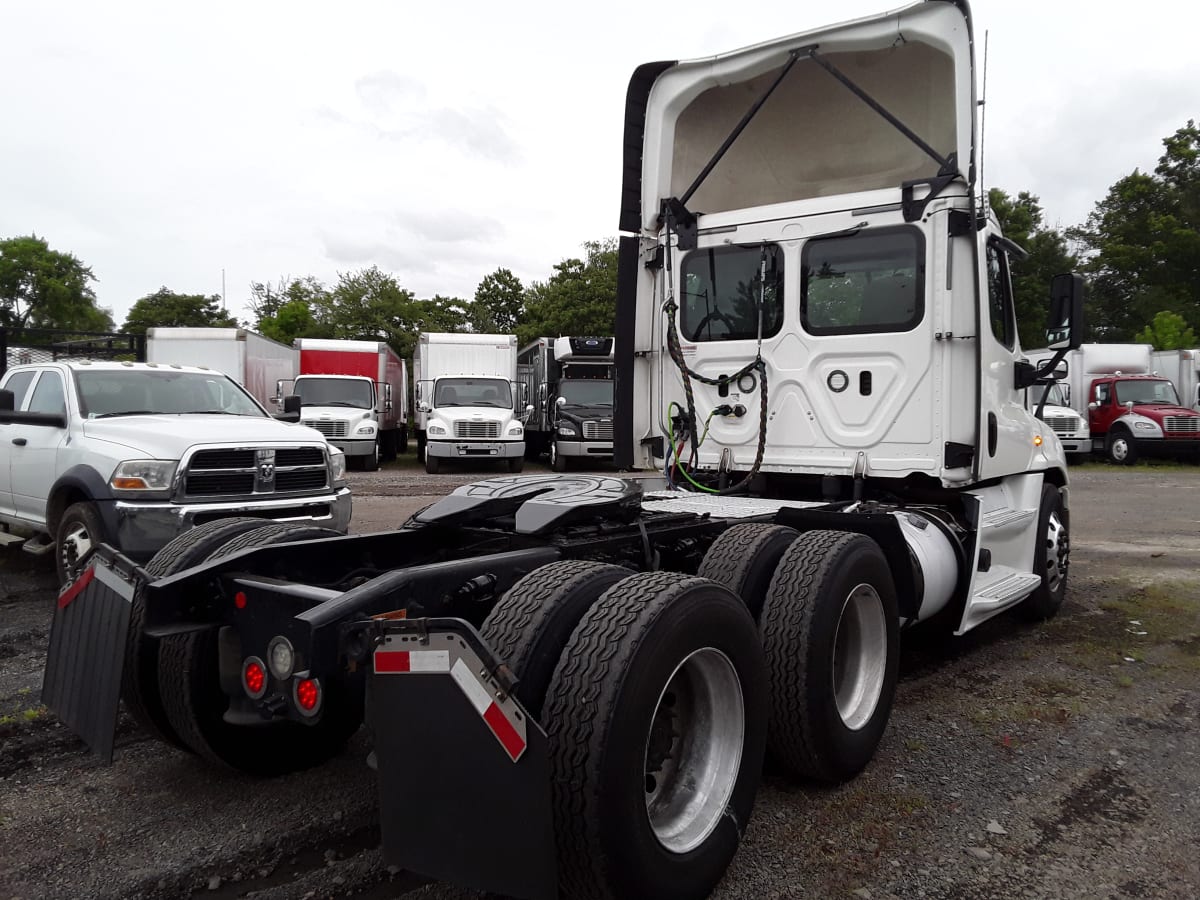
(254, 677)
(307, 694)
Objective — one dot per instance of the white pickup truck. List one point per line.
(135, 453)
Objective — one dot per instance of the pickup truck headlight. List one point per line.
(1144, 426)
(566, 429)
(436, 429)
(337, 462)
(143, 475)
(515, 429)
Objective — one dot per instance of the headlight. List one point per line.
(143, 475)
(365, 428)
(515, 429)
(337, 459)
(1145, 426)
(567, 430)
(436, 429)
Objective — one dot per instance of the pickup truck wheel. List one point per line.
(534, 619)
(1051, 558)
(830, 629)
(433, 464)
(1120, 447)
(516, 463)
(656, 718)
(744, 558)
(557, 463)
(190, 682)
(79, 531)
(139, 678)
(370, 462)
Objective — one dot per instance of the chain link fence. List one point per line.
(20, 346)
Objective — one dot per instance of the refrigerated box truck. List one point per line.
(255, 362)
(356, 394)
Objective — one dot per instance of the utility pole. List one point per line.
(222, 290)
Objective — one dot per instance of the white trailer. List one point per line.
(255, 362)
(468, 403)
(1183, 368)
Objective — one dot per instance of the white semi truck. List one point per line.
(574, 678)
(468, 403)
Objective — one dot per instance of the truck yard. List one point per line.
(1050, 760)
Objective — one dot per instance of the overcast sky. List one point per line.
(164, 142)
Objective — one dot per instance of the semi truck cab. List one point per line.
(345, 408)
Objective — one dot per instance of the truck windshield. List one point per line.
(355, 392)
(1056, 396)
(148, 391)
(587, 392)
(1146, 392)
(472, 392)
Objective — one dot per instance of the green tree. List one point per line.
(1021, 220)
(1168, 331)
(579, 298)
(1144, 243)
(499, 303)
(165, 308)
(44, 288)
(286, 311)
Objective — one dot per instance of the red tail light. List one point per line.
(307, 694)
(254, 677)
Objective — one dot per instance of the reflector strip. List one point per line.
(512, 742)
(397, 662)
(476, 693)
(75, 588)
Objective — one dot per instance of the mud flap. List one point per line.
(464, 775)
(82, 681)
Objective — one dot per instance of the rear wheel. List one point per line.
(656, 721)
(1051, 557)
(744, 558)
(531, 624)
(78, 534)
(830, 631)
(1120, 447)
(139, 679)
(190, 682)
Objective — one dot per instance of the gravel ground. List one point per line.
(1060, 760)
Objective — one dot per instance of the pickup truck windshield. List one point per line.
(354, 392)
(588, 392)
(1146, 392)
(103, 393)
(472, 392)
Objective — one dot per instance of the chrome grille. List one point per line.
(477, 429)
(598, 431)
(1064, 424)
(1181, 424)
(328, 427)
(248, 471)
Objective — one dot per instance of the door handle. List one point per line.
(20, 442)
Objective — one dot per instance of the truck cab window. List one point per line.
(1000, 301)
(19, 385)
(868, 282)
(48, 396)
(1102, 394)
(720, 288)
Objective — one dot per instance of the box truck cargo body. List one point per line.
(1183, 368)
(356, 394)
(468, 403)
(255, 362)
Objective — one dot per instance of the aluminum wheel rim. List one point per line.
(1058, 551)
(694, 750)
(859, 657)
(1120, 449)
(75, 548)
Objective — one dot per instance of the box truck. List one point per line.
(1183, 368)
(356, 394)
(469, 405)
(569, 384)
(255, 362)
(1053, 404)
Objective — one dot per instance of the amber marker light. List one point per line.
(1037, 440)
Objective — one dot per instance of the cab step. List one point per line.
(7, 538)
(39, 545)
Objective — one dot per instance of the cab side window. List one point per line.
(1000, 298)
(1102, 394)
(48, 396)
(19, 385)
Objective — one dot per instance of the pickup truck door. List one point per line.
(32, 465)
(18, 383)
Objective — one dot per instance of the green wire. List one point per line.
(675, 451)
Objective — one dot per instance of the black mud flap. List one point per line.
(82, 682)
(464, 775)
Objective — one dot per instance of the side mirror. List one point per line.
(291, 404)
(424, 407)
(1064, 325)
(8, 401)
(528, 408)
(561, 401)
(1094, 405)
(1129, 406)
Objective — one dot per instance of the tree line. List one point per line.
(1139, 250)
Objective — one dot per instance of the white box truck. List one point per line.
(467, 399)
(255, 362)
(1183, 368)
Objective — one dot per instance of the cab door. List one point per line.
(32, 465)
(18, 382)
(1100, 418)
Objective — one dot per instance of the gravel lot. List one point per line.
(1060, 760)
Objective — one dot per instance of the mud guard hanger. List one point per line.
(682, 221)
